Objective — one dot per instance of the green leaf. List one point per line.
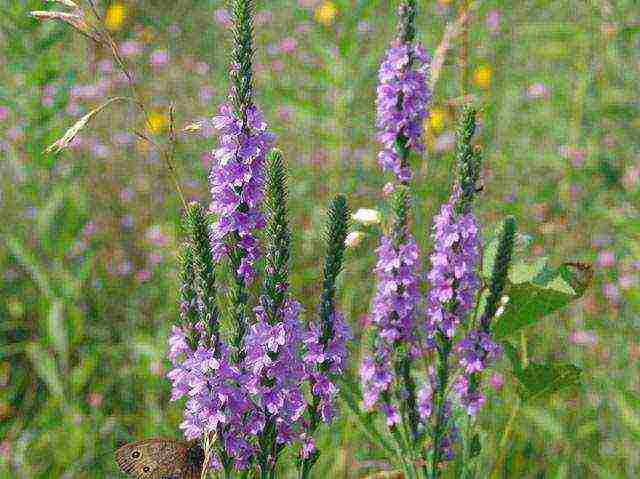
(539, 381)
(537, 290)
(512, 353)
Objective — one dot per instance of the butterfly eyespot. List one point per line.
(146, 469)
(135, 454)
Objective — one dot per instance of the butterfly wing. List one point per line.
(157, 459)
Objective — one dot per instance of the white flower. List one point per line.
(367, 216)
(353, 239)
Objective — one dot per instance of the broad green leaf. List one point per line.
(539, 381)
(536, 290)
(512, 353)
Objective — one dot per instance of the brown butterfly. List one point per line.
(161, 459)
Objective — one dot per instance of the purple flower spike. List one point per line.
(237, 182)
(325, 362)
(453, 276)
(476, 353)
(393, 315)
(402, 103)
(277, 372)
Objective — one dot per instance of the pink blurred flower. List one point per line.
(611, 292)
(131, 48)
(493, 21)
(308, 3)
(537, 91)
(388, 189)
(143, 275)
(627, 281)
(496, 381)
(583, 338)
(606, 259)
(631, 177)
(206, 94)
(202, 68)
(4, 113)
(288, 45)
(159, 58)
(95, 399)
(445, 142)
(6, 450)
(263, 17)
(223, 18)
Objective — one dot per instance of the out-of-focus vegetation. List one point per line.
(88, 237)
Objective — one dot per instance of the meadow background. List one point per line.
(88, 287)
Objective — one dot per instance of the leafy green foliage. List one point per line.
(539, 381)
(537, 290)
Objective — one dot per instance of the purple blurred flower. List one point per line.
(402, 103)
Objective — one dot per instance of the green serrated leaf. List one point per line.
(536, 291)
(512, 354)
(539, 381)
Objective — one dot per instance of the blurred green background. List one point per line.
(88, 237)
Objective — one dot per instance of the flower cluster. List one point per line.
(393, 314)
(476, 352)
(210, 380)
(402, 104)
(237, 184)
(324, 361)
(453, 278)
(277, 371)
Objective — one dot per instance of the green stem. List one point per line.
(502, 447)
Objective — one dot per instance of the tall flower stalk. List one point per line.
(402, 106)
(454, 287)
(237, 176)
(274, 342)
(325, 340)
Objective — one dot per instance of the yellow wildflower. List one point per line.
(437, 118)
(115, 16)
(482, 77)
(326, 13)
(157, 122)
